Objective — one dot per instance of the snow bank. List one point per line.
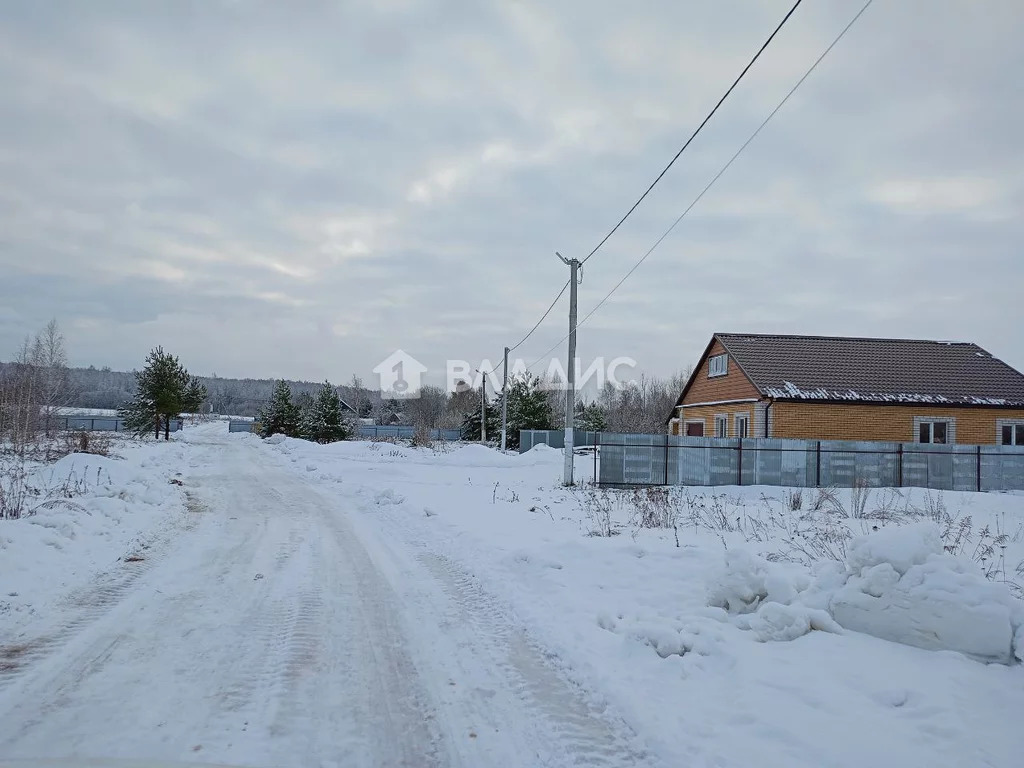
(896, 584)
(901, 586)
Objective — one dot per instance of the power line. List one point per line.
(716, 177)
(537, 324)
(699, 128)
(542, 317)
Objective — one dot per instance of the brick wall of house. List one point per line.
(707, 413)
(733, 386)
(973, 426)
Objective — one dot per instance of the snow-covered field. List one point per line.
(374, 604)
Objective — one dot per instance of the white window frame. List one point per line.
(715, 370)
(949, 421)
(1014, 424)
(745, 419)
(722, 418)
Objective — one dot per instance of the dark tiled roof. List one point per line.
(874, 370)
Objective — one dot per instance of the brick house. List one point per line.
(827, 388)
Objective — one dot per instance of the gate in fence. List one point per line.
(629, 459)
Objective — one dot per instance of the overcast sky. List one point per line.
(298, 189)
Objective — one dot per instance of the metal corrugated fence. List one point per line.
(554, 438)
(406, 433)
(97, 424)
(369, 431)
(629, 459)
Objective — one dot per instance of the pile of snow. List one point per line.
(745, 581)
(901, 586)
(747, 584)
(896, 584)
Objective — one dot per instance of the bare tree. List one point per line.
(642, 406)
(428, 410)
(19, 411)
(461, 403)
(51, 362)
(33, 387)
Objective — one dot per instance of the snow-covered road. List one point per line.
(268, 626)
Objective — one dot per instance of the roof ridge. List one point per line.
(848, 338)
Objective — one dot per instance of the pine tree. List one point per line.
(163, 391)
(529, 407)
(280, 416)
(303, 405)
(323, 422)
(591, 418)
(471, 423)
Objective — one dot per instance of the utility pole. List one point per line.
(570, 392)
(483, 406)
(504, 403)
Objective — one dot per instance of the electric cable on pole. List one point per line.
(714, 179)
(504, 386)
(700, 127)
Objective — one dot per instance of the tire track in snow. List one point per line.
(580, 733)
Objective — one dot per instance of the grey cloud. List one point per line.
(299, 189)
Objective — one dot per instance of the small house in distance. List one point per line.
(831, 388)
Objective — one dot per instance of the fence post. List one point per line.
(595, 457)
(666, 460)
(899, 465)
(739, 462)
(978, 468)
(92, 425)
(817, 465)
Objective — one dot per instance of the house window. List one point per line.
(695, 428)
(1012, 433)
(933, 432)
(742, 424)
(718, 366)
(721, 426)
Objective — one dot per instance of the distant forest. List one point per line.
(104, 388)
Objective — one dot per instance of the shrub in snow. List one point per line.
(597, 505)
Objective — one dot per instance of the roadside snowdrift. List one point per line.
(896, 584)
(91, 512)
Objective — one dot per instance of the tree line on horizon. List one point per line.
(38, 381)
